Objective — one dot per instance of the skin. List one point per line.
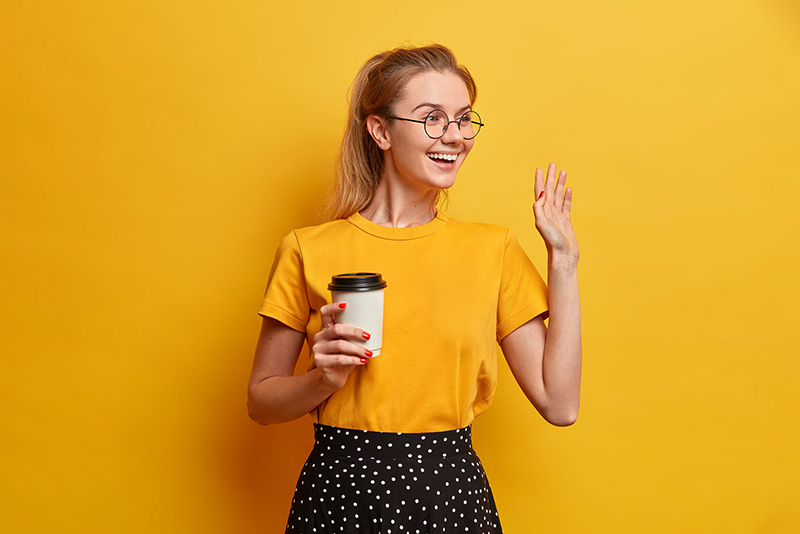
(546, 362)
(407, 190)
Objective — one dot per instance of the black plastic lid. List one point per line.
(357, 282)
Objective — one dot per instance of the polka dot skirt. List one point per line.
(357, 482)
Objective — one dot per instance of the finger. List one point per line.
(341, 347)
(345, 331)
(567, 203)
(562, 181)
(538, 184)
(551, 181)
(328, 361)
(327, 334)
(327, 312)
(538, 208)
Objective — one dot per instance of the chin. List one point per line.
(442, 183)
(448, 181)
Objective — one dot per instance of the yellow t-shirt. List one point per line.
(454, 290)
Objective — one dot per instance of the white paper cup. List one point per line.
(363, 293)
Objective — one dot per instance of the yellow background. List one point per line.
(153, 153)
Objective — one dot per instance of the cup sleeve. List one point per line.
(523, 292)
(286, 296)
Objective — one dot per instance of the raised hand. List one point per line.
(335, 354)
(552, 212)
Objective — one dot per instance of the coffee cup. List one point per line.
(363, 293)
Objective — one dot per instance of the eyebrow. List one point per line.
(438, 106)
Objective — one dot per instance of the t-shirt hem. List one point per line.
(521, 317)
(281, 315)
(480, 407)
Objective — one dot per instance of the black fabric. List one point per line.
(357, 482)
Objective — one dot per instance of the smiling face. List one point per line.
(411, 158)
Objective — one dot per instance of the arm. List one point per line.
(274, 395)
(547, 363)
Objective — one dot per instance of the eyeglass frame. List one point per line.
(446, 126)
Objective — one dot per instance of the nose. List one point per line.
(453, 133)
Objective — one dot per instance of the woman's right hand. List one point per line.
(335, 353)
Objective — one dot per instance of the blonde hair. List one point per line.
(375, 89)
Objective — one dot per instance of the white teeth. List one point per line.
(446, 157)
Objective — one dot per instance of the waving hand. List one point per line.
(552, 213)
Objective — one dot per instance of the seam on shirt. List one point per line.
(480, 406)
(303, 270)
(514, 322)
(299, 324)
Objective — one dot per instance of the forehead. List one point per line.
(445, 89)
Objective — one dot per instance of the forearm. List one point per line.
(279, 399)
(561, 364)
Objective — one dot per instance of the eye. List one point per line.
(436, 117)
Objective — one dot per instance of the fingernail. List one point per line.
(342, 305)
(541, 194)
(368, 352)
(363, 360)
(365, 335)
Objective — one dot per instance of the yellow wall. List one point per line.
(153, 153)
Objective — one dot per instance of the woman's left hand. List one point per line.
(552, 213)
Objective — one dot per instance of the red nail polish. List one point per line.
(541, 194)
(363, 360)
(365, 335)
(368, 352)
(342, 305)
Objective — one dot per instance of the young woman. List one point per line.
(393, 449)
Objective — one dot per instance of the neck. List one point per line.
(400, 208)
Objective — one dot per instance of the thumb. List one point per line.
(538, 205)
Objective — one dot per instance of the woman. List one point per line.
(393, 444)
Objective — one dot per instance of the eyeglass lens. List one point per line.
(437, 121)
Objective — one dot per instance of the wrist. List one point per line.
(324, 384)
(563, 261)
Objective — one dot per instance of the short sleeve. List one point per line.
(523, 293)
(286, 297)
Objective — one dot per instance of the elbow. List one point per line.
(565, 420)
(562, 417)
(256, 412)
(259, 420)
(255, 415)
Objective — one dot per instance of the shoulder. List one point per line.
(307, 238)
(327, 230)
(479, 230)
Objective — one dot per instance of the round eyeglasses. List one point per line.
(437, 121)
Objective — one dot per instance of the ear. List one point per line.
(377, 128)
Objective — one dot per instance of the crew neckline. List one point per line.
(398, 234)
